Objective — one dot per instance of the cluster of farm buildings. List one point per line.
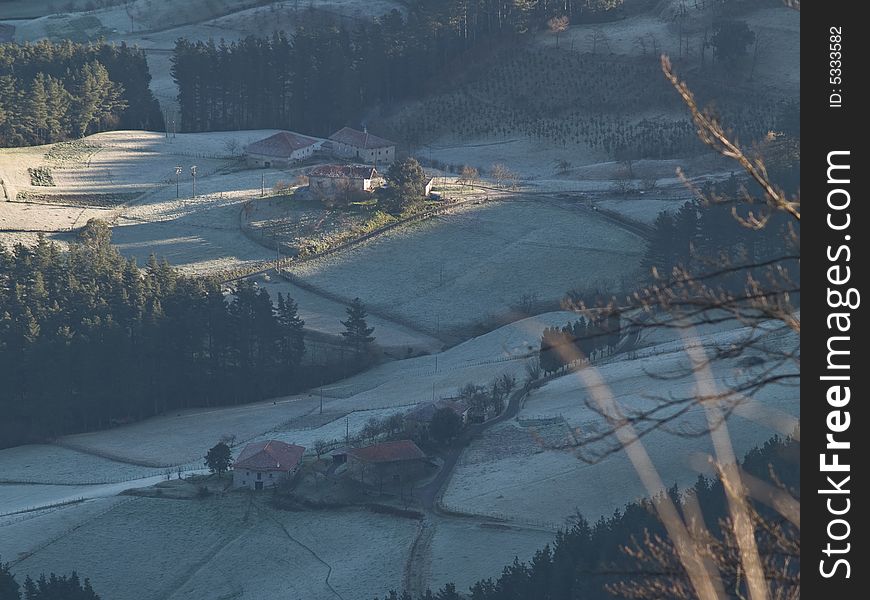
(269, 463)
(360, 151)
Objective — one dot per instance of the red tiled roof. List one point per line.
(282, 144)
(269, 455)
(344, 171)
(359, 139)
(388, 452)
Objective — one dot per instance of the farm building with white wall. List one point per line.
(363, 146)
(266, 464)
(335, 179)
(281, 150)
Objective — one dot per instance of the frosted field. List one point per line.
(334, 430)
(37, 463)
(183, 437)
(123, 161)
(479, 360)
(325, 316)
(529, 159)
(778, 30)
(453, 271)
(227, 545)
(465, 552)
(507, 471)
(23, 533)
(16, 498)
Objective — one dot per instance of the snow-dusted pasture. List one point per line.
(479, 360)
(508, 471)
(142, 548)
(18, 498)
(182, 438)
(324, 316)
(45, 464)
(453, 271)
(366, 551)
(334, 430)
(228, 545)
(23, 533)
(464, 552)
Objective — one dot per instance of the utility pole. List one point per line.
(321, 397)
(193, 174)
(177, 175)
(263, 186)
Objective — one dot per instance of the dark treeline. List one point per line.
(586, 558)
(324, 76)
(88, 339)
(704, 238)
(52, 587)
(51, 92)
(562, 346)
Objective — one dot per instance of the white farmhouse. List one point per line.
(265, 464)
(281, 150)
(362, 146)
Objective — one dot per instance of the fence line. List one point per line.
(500, 517)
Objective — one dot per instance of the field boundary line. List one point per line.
(70, 530)
(303, 545)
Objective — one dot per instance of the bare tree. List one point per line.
(468, 176)
(599, 39)
(320, 447)
(557, 26)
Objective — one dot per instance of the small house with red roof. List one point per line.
(362, 146)
(388, 462)
(266, 464)
(281, 150)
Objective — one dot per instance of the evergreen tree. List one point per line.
(8, 586)
(291, 341)
(50, 92)
(357, 334)
(406, 183)
(37, 108)
(59, 587)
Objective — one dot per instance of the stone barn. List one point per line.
(335, 181)
(391, 463)
(266, 464)
(363, 146)
(281, 150)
